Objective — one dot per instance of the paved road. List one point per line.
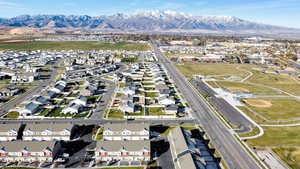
(29, 94)
(231, 150)
(104, 101)
(230, 113)
(98, 121)
(102, 106)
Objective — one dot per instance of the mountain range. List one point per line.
(149, 21)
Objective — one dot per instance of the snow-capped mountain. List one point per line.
(143, 21)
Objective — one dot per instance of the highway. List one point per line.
(229, 147)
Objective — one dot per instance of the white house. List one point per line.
(82, 101)
(166, 101)
(46, 132)
(126, 132)
(9, 132)
(22, 78)
(30, 109)
(73, 108)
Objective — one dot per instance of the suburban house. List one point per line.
(30, 109)
(24, 151)
(125, 132)
(9, 132)
(73, 108)
(129, 151)
(22, 78)
(46, 132)
(82, 101)
(9, 92)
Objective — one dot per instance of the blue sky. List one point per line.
(276, 12)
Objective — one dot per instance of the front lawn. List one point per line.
(12, 115)
(115, 114)
(152, 94)
(99, 135)
(56, 112)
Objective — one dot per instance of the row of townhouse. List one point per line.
(125, 132)
(46, 132)
(124, 142)
(24, 151)
(35, 132)
(138, 150)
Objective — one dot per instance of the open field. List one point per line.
(281, 139)
(182, 54)
(290, 155)
(75, 45)
(286, 83)
(237, 87)
(275, 109)
(278, 136)
(260, 103)
(190, 69)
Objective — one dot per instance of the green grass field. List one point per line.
(255, 131)
(290, 155)
(286, 83)
(237, 87)
(182, 54)
(12, 115)
(281, 108)
(115, 114)
(277, 136)
(190, 69)
(73, 45)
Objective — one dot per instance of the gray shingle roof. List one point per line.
(18, 146)
(45, 126)
(122, 126)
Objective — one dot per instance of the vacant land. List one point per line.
(182, 54)
(73, 45)
(290, 155)
(281, 139)
(278, 136)
(286, 83)
(190, 69)
(275, 109)
(237, 87)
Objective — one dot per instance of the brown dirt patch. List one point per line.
(258, 103)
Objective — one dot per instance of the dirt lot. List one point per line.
(258, 103)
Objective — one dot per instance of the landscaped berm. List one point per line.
(258, 103)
